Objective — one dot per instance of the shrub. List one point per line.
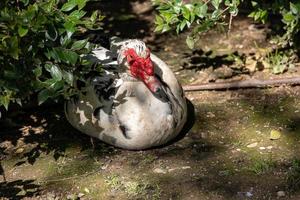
(39, 48)
(180, 15)
(202, 15)
(289, 12)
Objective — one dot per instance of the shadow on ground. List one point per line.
(19, 189)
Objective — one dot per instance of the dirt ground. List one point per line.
(244, 144)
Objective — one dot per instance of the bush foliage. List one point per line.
(181, 15)
(39, 50)
(289, 12)
(202, 15)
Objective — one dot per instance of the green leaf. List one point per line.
(252, 14)
(189, 6)
(166, 28)
(48, 6)
(288, 17)
(216, 3)
(275, 135)
(70, 27)
(81, 3)
(294, 8)
(79, 44)
(94, 16)
(257, 15)
(25, 2)
(76, 15)
(186, 13)
(37, 71)
(65, 40)
(69, 5)
(254, 3)
(216, 14)
(167, 16)
(182, 25)
(4, 100)
(57, 86)
(201, 11)
(233, 10)
(190, 42)
(22, 31)
(158, 20)
(55, 72)
(43, 96)
(68, 77)
(176, 9)
(51, 33)
(14, 47)
(65, 55)
(159, 28)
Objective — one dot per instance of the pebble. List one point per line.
(80, 195)
(19, 150)
(262, 148)
(252, 145)
(269, 147)
(70, 196)
(249, 194)
(159, 171)
(280, 193)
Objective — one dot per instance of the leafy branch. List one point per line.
(200, 16)
(39, 49)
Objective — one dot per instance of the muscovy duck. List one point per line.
(137, 104)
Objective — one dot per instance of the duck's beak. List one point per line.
(155, 86)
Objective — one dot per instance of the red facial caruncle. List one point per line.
(142, 68)
(139, 66)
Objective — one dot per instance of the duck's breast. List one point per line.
(146, 119)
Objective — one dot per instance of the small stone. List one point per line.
(19, 150)
(269, 147)
(159, 171)
(210, 115)
(249, 194)
(252, 145)
(70, 196)
(172, 169)
(280, 193)
(86, 190)
(186, 167)
(250, 64)
(80, 195)
(223, 72)
(262, 148)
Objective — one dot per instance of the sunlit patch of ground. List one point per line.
(228, 154)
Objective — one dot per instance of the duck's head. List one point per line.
(135, 57)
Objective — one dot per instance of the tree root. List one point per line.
(251, 83)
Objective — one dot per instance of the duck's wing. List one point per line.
(163, 71)
(116, 43)
(105, 57)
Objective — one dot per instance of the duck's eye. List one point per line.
(148, 53)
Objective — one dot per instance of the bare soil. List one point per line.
(244, 144)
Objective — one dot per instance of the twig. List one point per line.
(230, 23)
(251, 83)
